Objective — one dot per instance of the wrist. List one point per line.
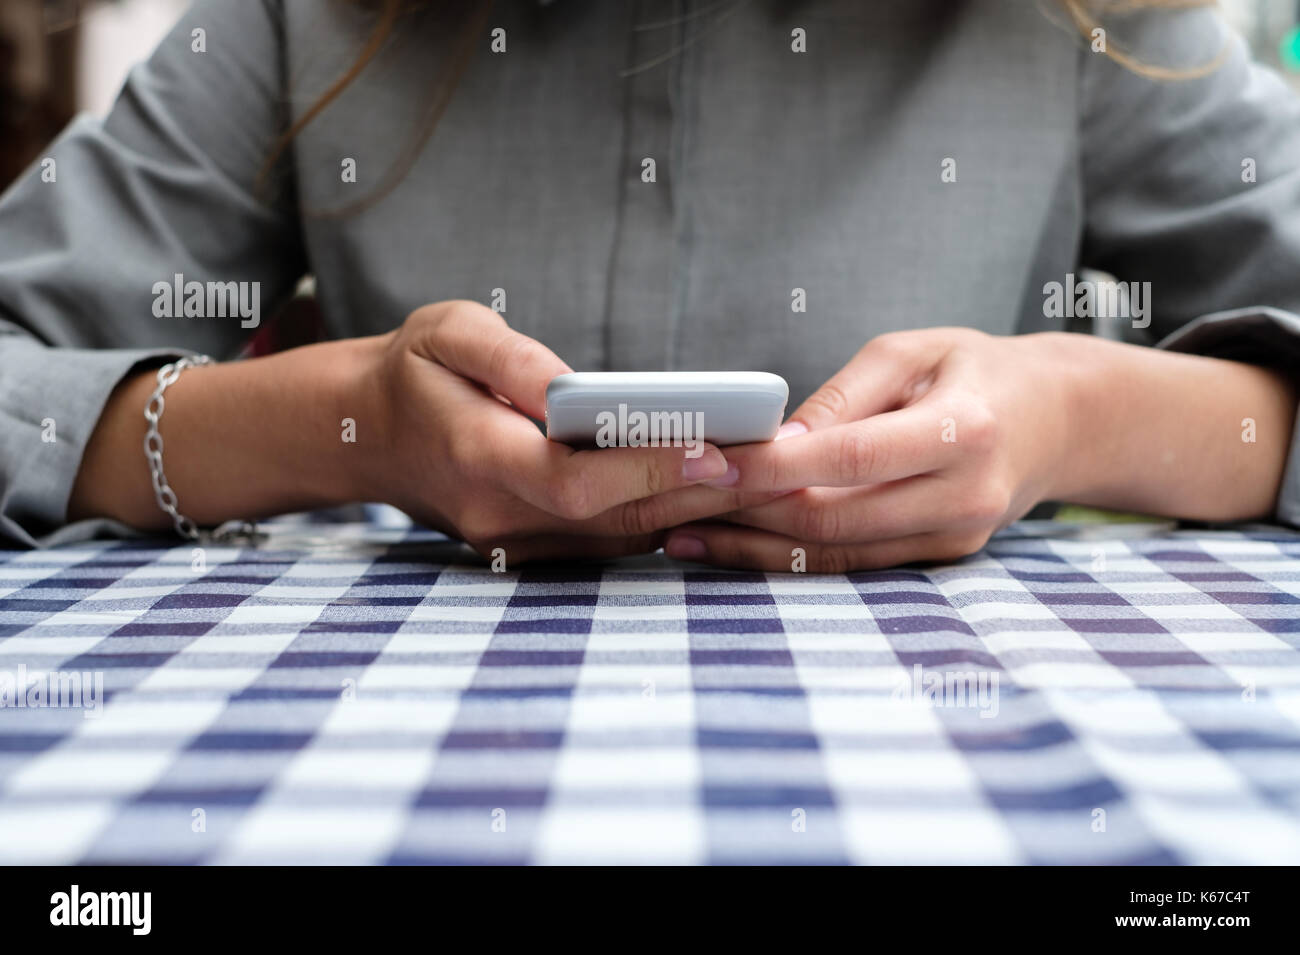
(1073, 387)
(358, 440)
(113, 479)
(1158, 432)
(242, 440)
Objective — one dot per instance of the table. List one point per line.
(352, 693)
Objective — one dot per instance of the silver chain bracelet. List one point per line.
(153, 452)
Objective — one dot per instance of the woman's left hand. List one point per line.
(921, 447)
(928, 441)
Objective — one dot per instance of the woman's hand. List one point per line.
(453, 454)
(929, 441)
(414, 418)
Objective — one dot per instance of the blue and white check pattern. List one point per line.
(353, 693)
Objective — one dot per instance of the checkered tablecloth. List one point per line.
(351, 693)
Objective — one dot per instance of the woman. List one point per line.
(908, 191)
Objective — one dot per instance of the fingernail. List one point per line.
(726, 480)
(685, 547)
(790, 429)
(710, 464)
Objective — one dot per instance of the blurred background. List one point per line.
(59, 57)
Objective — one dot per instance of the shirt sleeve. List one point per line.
(1193, 185)
(164, 187)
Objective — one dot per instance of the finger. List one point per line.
(885, 447)
(579, 485)
(879, 378)
(476, 343)
(745, 548)
(916, 505)
(510, 455)
(662, 511)
(515, 519)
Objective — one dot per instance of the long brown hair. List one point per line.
(1087, 16)
(469, 17)
(465, 18)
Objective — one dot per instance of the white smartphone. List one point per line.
(679, 408)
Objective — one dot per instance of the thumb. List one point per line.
(874, 381)
(476, 343)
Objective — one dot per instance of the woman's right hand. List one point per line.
(414, 418)
(449, 451)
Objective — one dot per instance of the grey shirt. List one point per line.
(921, 163)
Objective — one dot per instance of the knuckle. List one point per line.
(572, 498)
(637, 518)
(830, 560)
(988, 506)
(968, 336)
(766, 470)
(509, 352)
(433, 321)
(889, 345)
(859, 455)
(818, 522)
(464, 310)
(979, 425)
(478, 527)
(446, 314)
(657, 475)
(831, 399)
(962, 545)
(426, 316)
(884, 344)
(953, 336)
